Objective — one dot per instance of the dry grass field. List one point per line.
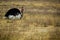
(40, 21)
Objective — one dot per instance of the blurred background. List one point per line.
(40, 21)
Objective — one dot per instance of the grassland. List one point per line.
(40, 21)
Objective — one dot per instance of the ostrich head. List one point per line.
(22, 9)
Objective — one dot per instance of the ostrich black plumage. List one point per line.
(14, 13)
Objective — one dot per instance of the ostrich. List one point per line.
(14, 13)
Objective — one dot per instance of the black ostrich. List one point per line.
(14, 13)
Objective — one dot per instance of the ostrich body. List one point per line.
(14, 13)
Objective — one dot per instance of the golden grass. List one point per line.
(33, 26)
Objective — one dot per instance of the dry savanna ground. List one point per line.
(40, 21)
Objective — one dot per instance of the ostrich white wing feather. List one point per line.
(18, 16)
(11, 17)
